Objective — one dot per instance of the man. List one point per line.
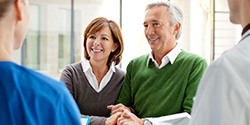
(163, 82)
(224, 92)
(28, 97)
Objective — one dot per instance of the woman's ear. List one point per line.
(115, 46)
(19, 4)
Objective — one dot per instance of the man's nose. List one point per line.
(150, 30)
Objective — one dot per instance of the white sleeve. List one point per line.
(152, 121)
(220, 97)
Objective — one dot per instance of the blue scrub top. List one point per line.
(30, 98)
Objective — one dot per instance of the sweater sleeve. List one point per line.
(125, 94)
(96, 120)
(198, 68)
(66, 77)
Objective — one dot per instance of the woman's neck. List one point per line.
(7, 35)
(6, 46)
(5, 55)
(99, 69)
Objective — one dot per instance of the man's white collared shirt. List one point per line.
(87, 69)
(170, 57)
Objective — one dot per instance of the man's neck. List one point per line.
(244, 14)
(159, 55)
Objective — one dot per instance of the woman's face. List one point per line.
(100, 44)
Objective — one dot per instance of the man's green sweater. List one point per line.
(154, 92)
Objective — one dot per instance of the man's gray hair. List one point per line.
(176, 14)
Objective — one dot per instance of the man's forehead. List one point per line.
(152, 21)
(156, 15)
(157, 8)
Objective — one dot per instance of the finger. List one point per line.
(112, 120)
(126, 114)
(122, 109)
(116, 111)
(116, 108)
(120, 121)
(110, 107)
(117, 115)
(128, 109)
(123, 106)
(124, 117)
(123, 121)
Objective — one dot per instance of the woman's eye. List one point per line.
(104, 38)
(92, 37)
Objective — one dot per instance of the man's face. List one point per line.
(158, 31)
(234, 11)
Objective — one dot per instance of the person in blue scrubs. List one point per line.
(28, 97)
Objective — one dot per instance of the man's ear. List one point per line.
(177, 28)
(19, 8)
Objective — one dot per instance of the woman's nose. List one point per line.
(96, 42)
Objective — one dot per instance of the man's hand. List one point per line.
(118, 108)
(112, 120)
(128, 118)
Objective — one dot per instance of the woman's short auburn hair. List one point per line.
(4, 5)
(98, 24)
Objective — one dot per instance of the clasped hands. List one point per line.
(121, 115)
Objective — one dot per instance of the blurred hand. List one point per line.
(117, 108)
(112, 120)
(128, 118)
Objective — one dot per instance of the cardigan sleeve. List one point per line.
(96, 120)
(67, 78)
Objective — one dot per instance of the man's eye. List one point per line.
(156, 24)
(145, 26)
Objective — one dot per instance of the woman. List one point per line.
(95, 82)
(28, 97)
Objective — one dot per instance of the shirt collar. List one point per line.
(171, 55)
(112, 66)
(86, 65)
(245, 29)
(245, 33)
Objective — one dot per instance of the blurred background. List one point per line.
(55, 34)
